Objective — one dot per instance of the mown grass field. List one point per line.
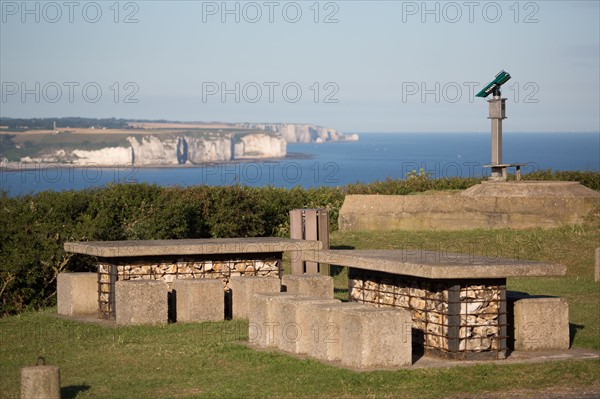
(210, 359)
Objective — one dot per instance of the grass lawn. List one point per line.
(207, 360)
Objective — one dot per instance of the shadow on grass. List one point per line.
(573, 328)
(342, 247)
(72, 391)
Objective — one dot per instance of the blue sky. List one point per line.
(356, 66)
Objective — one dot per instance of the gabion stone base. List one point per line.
(223, 267)
(454, 319)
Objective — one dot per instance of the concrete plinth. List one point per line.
(376, 337)
(541, 324)
(314, 285)
(77, 293)
(328, 345)
(141, 302)
(198, 300)
(299, 324)
(41, 382)
(242, 289)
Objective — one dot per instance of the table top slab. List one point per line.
(435, 265)
(201, 246)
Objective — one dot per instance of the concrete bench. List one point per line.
(314, 285)
(502, 168)
(169, 260)
(457, 301)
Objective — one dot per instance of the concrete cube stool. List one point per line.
(327, 345)
(198, 299)
(77, 293)
(242, 289)
(314, 285)
(541, 323)
(264, 326)
(376, 337)
(299, 326)
(141, 302)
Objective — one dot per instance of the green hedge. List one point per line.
(35, 227)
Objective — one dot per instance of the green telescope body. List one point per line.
(501, 78)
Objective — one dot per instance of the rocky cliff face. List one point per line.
(259, 145)
(302, 133)
(171, 149)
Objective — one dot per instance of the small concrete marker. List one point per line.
(40, 381)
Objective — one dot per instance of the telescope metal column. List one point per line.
(497, 112)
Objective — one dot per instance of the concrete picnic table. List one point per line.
(457, 301)
(168, 260)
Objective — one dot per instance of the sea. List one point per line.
(375, 157)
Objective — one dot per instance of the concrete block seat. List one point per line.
(314, 285)
(243, 288)
(141, 302)
(375, 337)
(538, 323)
(198, 300)
(77, 294)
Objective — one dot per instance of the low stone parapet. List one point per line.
(141, 302)
(77, 294)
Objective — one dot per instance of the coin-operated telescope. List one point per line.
(497, 112)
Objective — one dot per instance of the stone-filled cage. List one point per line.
(169, 268)
(456, 319)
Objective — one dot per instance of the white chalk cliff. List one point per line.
(264, 140)
(302, 133)
(160, 150)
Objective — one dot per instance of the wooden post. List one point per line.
(324, 237)
(310, 233)
(297, 232)
(309, 224)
